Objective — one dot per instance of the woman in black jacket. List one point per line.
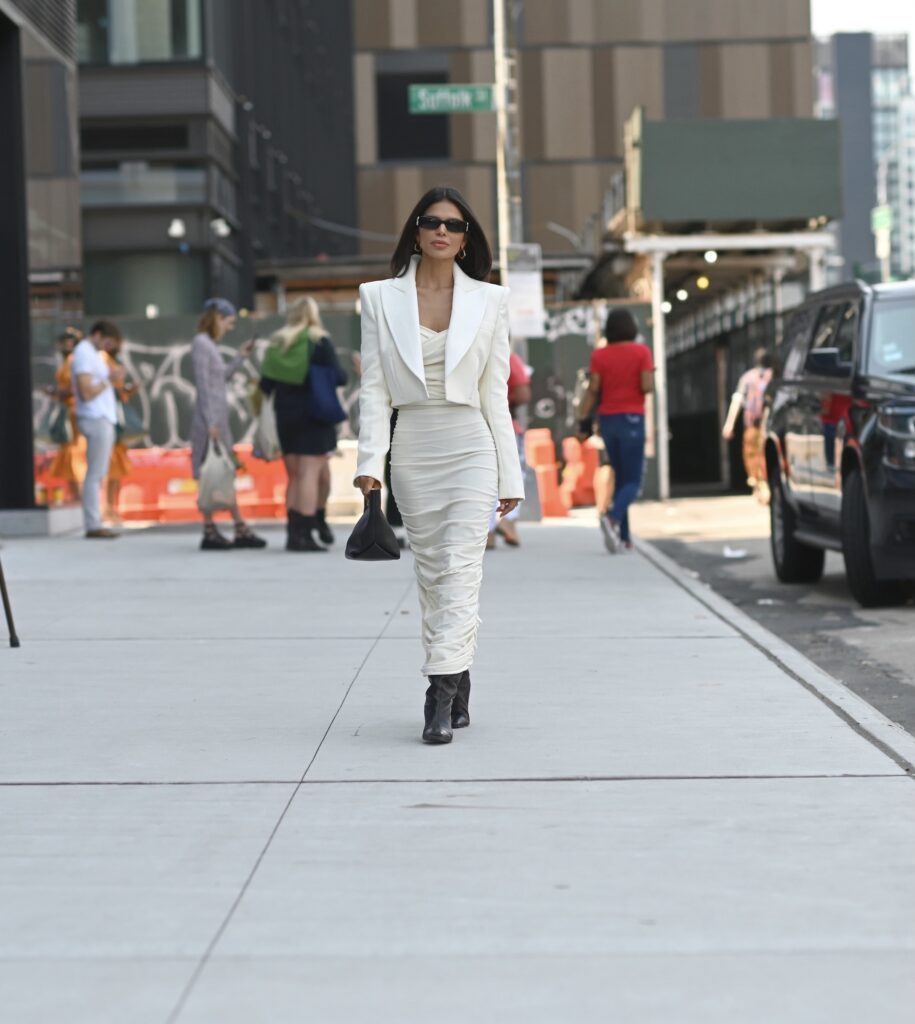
(306, 442)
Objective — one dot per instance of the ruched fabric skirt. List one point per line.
(445, 480)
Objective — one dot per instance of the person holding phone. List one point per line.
(435, 347)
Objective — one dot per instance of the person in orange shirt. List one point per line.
(64, 465)
(119, 466)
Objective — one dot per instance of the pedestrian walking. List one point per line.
(119, 466)
(307, 440)
(621, 374)
(519, 394)
(210, 421)
(435, 347)
(750, 399)
(63, 466)
(96, 415)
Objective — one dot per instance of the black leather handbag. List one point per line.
(372, 539)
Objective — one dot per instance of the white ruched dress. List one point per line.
(445, 479)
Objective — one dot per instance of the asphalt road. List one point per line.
(872, 651)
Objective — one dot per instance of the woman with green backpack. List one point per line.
(302, 372)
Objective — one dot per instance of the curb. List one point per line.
(865, 719)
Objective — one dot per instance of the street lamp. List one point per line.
(682, 294)
(177, 228)
(220, 227)
(711, 256)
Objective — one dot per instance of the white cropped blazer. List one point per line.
(476, 366)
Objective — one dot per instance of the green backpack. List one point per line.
(288, 363)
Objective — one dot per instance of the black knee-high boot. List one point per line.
(437, 710)
(298, 537)
(325, 533)
(460, 706)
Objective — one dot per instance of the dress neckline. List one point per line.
(432, 331)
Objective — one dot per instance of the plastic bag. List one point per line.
(266, 436)
(216, 487)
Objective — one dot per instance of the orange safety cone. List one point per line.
(551, 500)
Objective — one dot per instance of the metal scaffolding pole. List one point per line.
(659, 339)
(508, 157)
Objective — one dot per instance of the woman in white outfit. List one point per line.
(435, 347)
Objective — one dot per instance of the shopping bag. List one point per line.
(216, 486)
(321, 395)
(59, 426)
(266, 437)
(129, 428)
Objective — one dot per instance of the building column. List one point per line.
(660, 363)
(17, 483)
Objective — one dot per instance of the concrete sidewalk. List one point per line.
(216, 807)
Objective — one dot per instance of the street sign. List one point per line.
(881, 218)
(451, 99)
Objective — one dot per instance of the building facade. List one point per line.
(863, 81)
(582, 67)
(210, 142)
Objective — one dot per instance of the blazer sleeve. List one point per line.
(494, 406)
(374, 397)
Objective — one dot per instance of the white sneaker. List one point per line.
(611, 534)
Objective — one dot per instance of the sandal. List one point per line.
(213, 540)
(245, 537)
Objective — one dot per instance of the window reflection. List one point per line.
(133, 31)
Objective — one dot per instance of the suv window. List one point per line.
(797, 338)
(836, 328)
(892, 348)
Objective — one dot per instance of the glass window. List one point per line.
(137, 183)
(406, 136)
(797, 337)
(133, 31)
(847, 334)
(824, 335)
(892, 347)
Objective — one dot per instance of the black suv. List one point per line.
(840, 441)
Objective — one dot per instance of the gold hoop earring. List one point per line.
(463, 254)
(416, 248)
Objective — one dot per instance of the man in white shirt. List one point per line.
(96, 416)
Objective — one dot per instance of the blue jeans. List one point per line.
(624, 439)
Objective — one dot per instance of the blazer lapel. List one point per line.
(401, 310)
(467, 311)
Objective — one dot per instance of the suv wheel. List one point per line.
(794, 562)
(859, 568)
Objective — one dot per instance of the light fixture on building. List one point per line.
(177, 228)
(220, 227)
(666, 307)
(702, 282)
(711, 256)
(152, 311)
(682, 294)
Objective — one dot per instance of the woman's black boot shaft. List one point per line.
(460, 706)
(437, 709)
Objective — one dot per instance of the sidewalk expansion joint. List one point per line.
(220, 931)
(456, 779)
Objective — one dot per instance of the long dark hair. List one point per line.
(477, 262)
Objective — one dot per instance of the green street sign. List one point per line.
(451, 99)
(881, 218)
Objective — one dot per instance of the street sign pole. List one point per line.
(502, 201)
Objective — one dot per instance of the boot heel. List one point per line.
(460, 706)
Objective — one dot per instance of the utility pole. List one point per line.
(508, 155)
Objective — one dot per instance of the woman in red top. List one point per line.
(622, 373)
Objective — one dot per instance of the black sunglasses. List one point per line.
(452, 224)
